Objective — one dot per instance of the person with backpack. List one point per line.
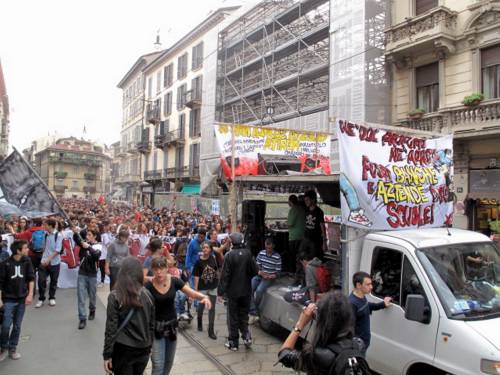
(362, 309)
(332, 350)
(50, 264)
(316, 275)
(130, 322)
(17, 282)
(87, 277)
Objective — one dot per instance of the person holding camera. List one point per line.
(163, 288)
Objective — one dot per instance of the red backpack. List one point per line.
(70, 254)
(323, 277)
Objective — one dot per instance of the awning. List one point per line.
(191, 189)
(485, 195)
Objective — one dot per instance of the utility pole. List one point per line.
(233, 199)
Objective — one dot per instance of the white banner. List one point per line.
(263, 150)
(391, 181)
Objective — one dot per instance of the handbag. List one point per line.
(166, 329)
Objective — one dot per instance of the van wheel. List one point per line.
(419, 369)
(267, 325)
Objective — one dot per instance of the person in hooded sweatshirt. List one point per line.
(17, 282)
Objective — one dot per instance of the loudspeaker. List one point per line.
(254, 214)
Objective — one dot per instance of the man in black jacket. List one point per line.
(236, 284)
(17, 281)
(87, 277)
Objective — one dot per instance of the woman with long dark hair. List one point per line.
(334, 324)
(130, 322)
(163, 288)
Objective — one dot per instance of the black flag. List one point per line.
(23, 190)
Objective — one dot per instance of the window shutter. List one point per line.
(490, 56)
(427, 75)
(422, 6)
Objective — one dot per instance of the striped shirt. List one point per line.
(269, 264)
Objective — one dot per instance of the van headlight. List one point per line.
(490, 367)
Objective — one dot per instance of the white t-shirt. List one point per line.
(106, 239)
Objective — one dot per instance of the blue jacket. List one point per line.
(193, 254)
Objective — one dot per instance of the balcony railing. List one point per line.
(435, 29)
(89, 176)
(153, 115)
(153, 175)
(193, 99)
(461, 120)
(75, 160)
(194, 172)
(160, 141)
(177, 172)
(89, 189)
(60, 175)
(176, 136)
(60, 189)
(144, 147)
(131, 149)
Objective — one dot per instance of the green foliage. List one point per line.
(473, 99)
(416, 111)
(495, 226)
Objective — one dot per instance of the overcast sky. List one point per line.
(62, 59)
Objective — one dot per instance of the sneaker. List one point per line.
(359, 217)
(52, 302)
(247, 340)
(231, 345)
(92, 315)
(14, 355)
(39, 304)
(3, 355)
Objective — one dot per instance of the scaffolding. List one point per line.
(273, 62)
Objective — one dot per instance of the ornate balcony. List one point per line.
(432, 31)
(160, 141)
(193, 99)
(60, 189)
(60, 175)
(461, 120)
(131, 149)
(89, 176)
(153, 175)
(144, 147)
(177, 173)
(153, 114)
(75, 159)
(175, 136)
(89, 189)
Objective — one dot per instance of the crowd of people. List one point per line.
(161, 265)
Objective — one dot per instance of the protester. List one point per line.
(362, 309)
(130, 319)
(206, 280)
(117, 252)
(194, 250)
(235, 284)
(107, 238)
(333, 330)
(163, 288)
(87, 278)
(50, 264)
(269, 263)
(155, 248)
(315, 240)
(17, 282)
(310, 265)
(296, 225)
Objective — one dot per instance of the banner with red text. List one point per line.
(268, 151)
(391, 181)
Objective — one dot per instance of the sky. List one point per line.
(62, 59)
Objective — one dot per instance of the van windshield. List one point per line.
(466, 278)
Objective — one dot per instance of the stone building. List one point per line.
(73, 167)
(440, 52)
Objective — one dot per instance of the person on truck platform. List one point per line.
(315, 231)
(362, 309)
(310, 263)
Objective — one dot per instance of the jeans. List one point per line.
(180, 302)
(237, 312)
(162, 356)
(13, 316)
(113, 274)
(211, 312)
(43, 273)
(259, 286)
(86, 286)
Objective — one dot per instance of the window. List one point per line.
(167, 104)
(197, 56)
(386, 273)
(168, 75)
(182, 124)
(75, 185)
(490, 71)
(182, 66)
(181, 96)
(158, 81)
(194, 123)
(150, 87)
(410, 282)
(427, 82)
(179, 157)
(422, 6)
(155, 160)
(76, 170)
(194, 159)
(196, 87)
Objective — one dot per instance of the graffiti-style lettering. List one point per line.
(368, 134)
(396, 154)
(393, 139)
(347, 128)
(421, 157)
(401, 216)
(410, 174)
(388, 191)
(375, 170)
(440, 194)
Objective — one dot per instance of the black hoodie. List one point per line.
(15, 277)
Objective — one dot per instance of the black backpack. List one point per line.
(349, 359)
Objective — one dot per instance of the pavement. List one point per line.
(52, 344)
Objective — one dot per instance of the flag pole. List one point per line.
(43, 183)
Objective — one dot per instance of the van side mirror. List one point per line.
(416, 309)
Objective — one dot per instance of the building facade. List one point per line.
(128, 181)
(4, 117)
(175, 88)
(73, 168)
(441, 52)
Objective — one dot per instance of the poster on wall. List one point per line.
(270, 151)
(392, 181)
